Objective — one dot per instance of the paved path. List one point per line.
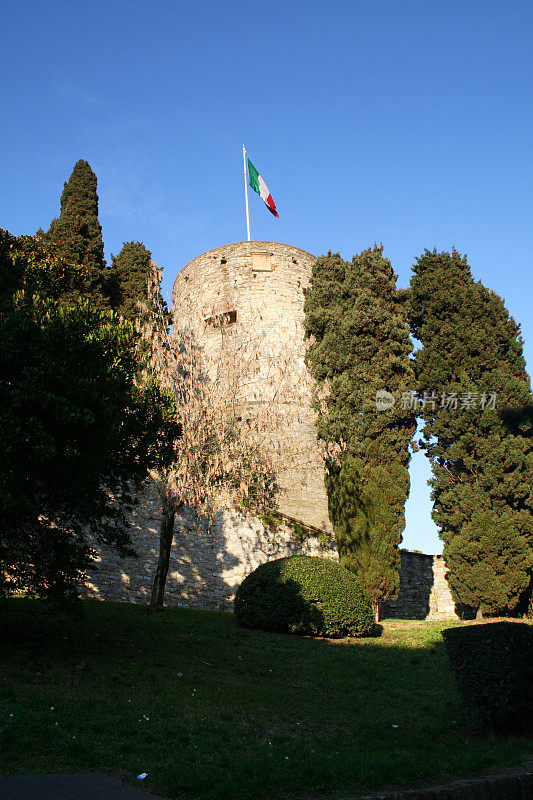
(91, 786)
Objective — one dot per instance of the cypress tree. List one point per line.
(76, 235)
(131, 273)
(360, 346)
(478, 422)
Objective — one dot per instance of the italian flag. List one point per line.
(258, 185)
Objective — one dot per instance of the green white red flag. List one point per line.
(258, 185)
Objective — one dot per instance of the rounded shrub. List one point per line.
(304, 594)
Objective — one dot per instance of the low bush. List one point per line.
(304, 594)
(493, 670)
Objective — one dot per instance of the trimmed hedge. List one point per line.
(493, 670)
(304, 594)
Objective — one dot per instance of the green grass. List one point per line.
(210, 710)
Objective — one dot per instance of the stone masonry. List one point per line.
(424, 592)
(228, 297)
(254, 292)
(206, 567)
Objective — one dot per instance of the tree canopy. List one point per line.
(475, 398)
(131, 274)
(76, 235)
(356, 320)
(76, 427)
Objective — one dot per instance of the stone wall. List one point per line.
(424, 592)
(207, 566)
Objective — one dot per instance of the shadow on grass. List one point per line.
(212, 710)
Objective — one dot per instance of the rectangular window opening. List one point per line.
(221, 320)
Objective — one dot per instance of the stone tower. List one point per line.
(254, 290)
(231, 294)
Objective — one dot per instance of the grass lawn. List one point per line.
(210, 710)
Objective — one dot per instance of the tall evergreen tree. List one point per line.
(360, 346)
(131, 274)
(478, 425)
(76, 235)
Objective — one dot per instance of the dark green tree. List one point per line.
(132, 273)
(76, 235)
(360, 347)
(76, 427)
(478, 423)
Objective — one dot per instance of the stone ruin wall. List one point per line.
(227, 297)
(424, 592)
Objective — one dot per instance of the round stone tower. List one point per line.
(251, 294)
(245, 300)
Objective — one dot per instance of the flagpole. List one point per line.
(246, 191)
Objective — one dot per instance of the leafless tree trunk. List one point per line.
(166, 534)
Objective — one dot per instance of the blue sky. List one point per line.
(404, 123)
